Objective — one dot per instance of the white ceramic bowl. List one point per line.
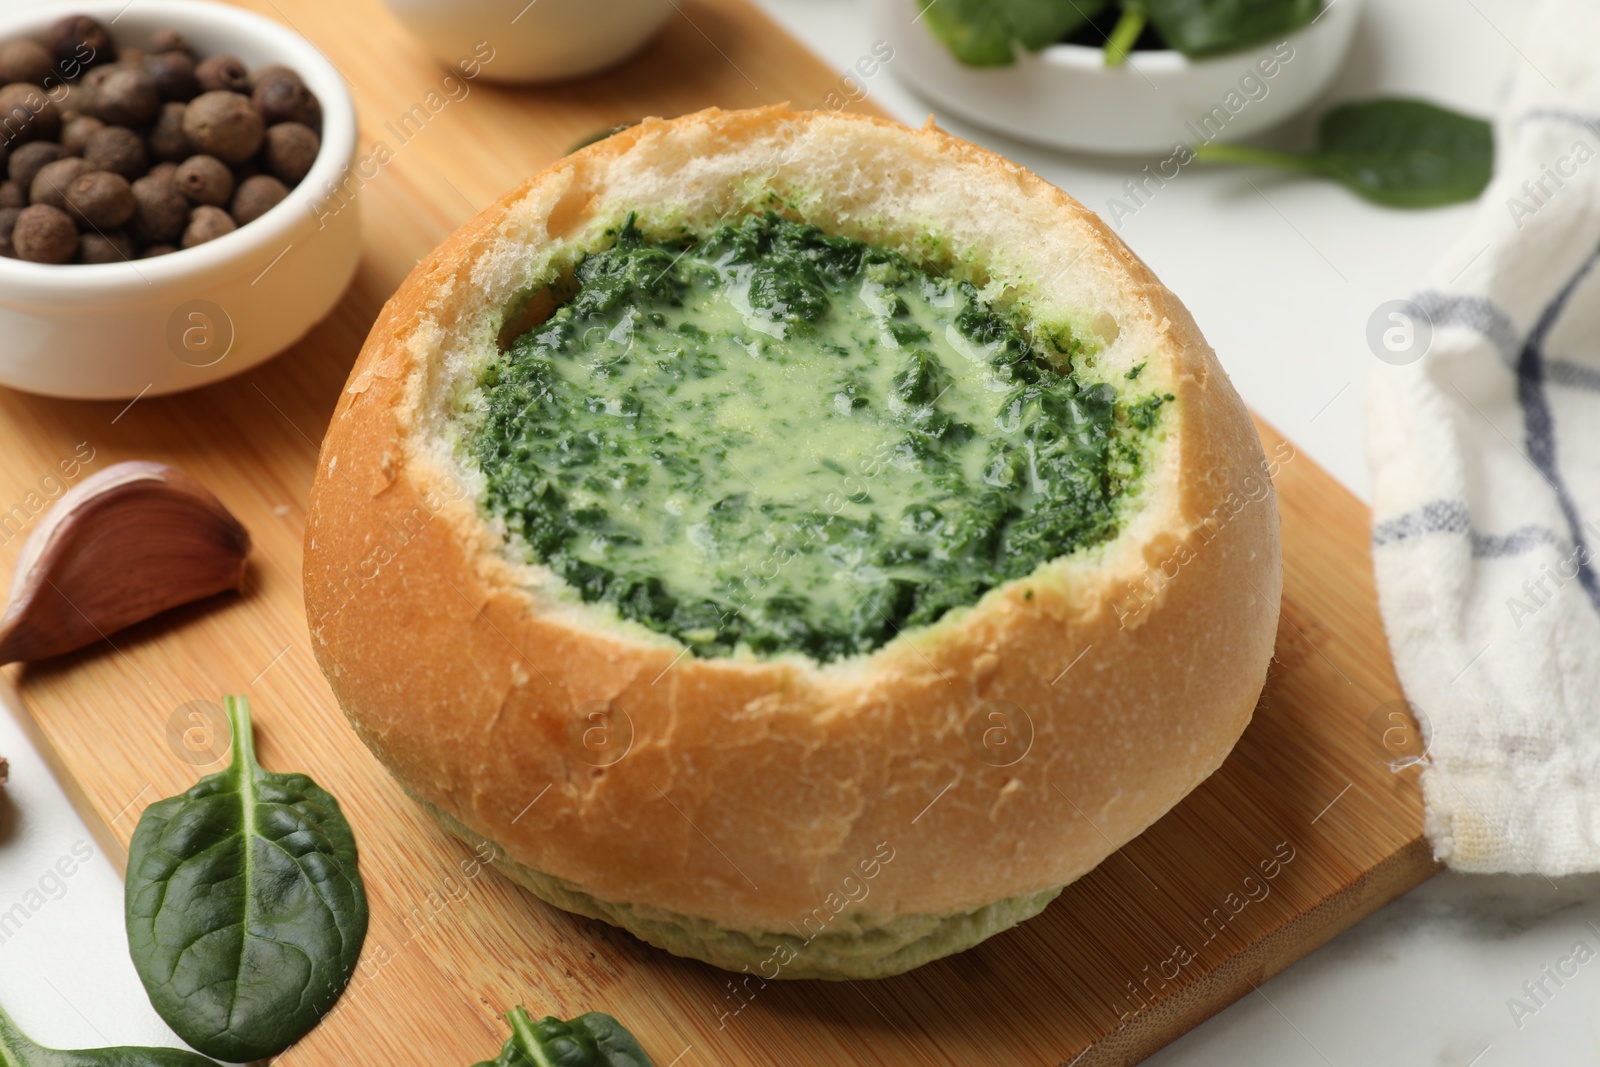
(116, 330)
(532, 40)
(1065, 96)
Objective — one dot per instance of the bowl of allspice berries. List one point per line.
(176, 203)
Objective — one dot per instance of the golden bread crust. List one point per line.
(751, 789)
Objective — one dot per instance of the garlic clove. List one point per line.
(126, 543)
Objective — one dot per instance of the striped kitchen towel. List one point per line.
(1484, 444)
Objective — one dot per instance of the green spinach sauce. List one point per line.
(790, 441)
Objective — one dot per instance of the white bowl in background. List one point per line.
(532, 40)
(1066, 97)
(152, 326)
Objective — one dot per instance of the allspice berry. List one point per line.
(8, 222)
(119, 150)
(165, 169)
(127, 97)
(27, 114)
(207, 223)
(283, 97)
(173, 73)
(290, 149)
(24, 60)
(170, 41)
(167, 141)
(81, 38)
(45, 234)
(12, 195)
(112, 247)
(152, 251)
(90, 85)
(205, 180)
(225, 125)
(267, 71)
(222, 74)
(102, 200)
(50, 185)
(160, 210)
(26, 161)
(75, 133)
(257, 196)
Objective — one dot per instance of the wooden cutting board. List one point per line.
(1304, 831)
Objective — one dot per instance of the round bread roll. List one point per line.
(797, 819)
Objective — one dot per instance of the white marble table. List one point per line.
(1283, 288)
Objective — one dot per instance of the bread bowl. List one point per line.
(850, 813)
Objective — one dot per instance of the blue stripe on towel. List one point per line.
(1473, 313)
(1557, 114)
(1452, 517)
(1438, 516)
(1540, 422)
(1522, 539)
(1482, 317)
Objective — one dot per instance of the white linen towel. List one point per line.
(1485, 456)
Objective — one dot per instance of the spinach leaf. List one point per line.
(1209, 27)
(245, 908)
(1395, 152)
(1125, 33)
(985, 33)
(592, 1040)
(17, 1050)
